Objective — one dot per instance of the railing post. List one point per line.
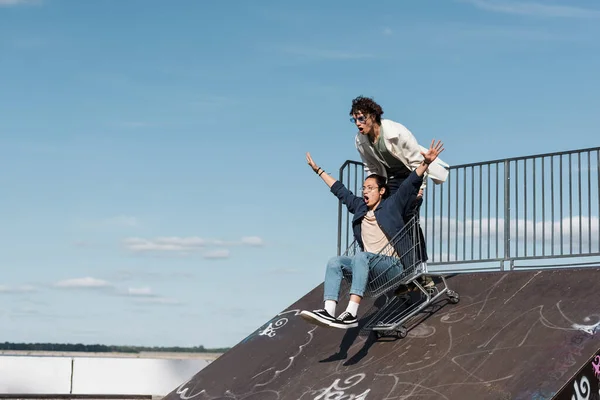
(506, 212)
(339, 244)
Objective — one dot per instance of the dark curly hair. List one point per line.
(367, 106)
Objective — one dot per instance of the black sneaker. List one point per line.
(318, 317)
(344, 321)
(402, 290)
(426, 281)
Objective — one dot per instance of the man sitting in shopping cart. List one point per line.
(377, 219)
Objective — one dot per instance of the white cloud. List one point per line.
(253, 241)
(174, 244)
(158, 300)
(146, 295)
(142, 292)
(144, 274)
(85, 283)
(458, 227)
(217, 254)
(534, 9)
(186, 245)
(17, 289)
(521, 232)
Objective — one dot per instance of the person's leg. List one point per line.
(415, 211)
(365, 267)
(368, 267)
(384, 269)
(360, 275)
(360, 278)
(425, 280)
(393, 185)
(334, 274)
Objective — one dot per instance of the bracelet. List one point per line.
(317, 171)
(320, 172)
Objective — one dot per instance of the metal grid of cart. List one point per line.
(399, 263)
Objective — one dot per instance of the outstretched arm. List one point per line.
(337, 188)
(328, 179)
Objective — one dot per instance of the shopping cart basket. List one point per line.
(404, 250)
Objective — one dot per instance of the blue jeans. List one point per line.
(360, 266)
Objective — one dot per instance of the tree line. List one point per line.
(101, 348)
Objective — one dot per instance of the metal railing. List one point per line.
(544, 206)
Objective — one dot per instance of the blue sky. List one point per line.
(155, 190)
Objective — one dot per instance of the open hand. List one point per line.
(310, 162)
(433, 152)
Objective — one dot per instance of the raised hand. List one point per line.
(319, 171)
(434, 151)
(310, 162)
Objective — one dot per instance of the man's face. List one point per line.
(372, 193)
(364, 123)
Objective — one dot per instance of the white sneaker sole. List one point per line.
(315, 319)
(343, 326)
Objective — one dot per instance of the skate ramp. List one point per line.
(513, 335)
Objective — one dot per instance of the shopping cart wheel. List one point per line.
(454, 297)
(401, 332)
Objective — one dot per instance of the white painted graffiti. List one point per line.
(582, 390)
(186, 391)
(272, 327)
(337, 392)
(589, 329)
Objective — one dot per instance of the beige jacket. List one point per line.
(401, 143)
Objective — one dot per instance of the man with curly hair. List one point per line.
(389, 149)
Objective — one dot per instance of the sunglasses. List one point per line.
(360, 119)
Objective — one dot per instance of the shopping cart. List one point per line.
(404, 250)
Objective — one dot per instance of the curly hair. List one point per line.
(367, 105)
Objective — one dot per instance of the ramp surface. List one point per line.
(514, 335)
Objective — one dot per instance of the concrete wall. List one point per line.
(94, 375)
(41, 375)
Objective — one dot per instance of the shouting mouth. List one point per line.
(366, 198)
